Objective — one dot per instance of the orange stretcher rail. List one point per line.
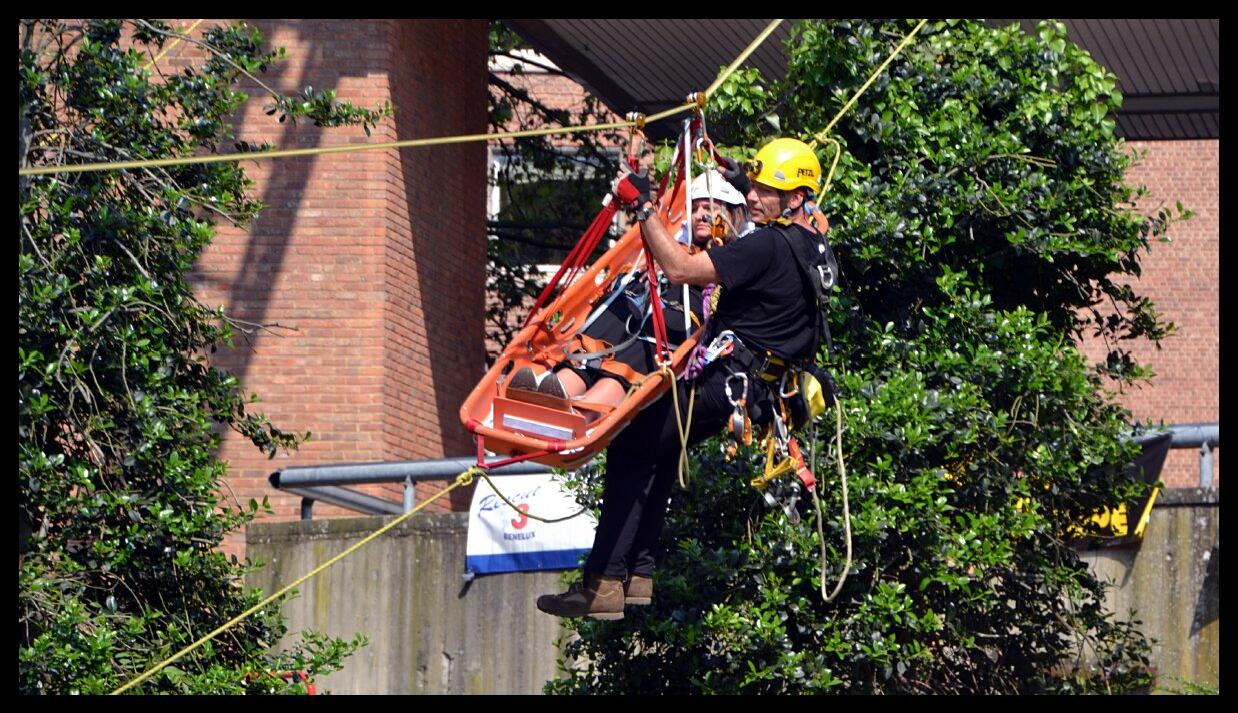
(554, 437)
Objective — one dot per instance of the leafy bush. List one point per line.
(982, 225)
(118, 404)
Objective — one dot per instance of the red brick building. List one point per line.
(1183, 279)
(374, 262)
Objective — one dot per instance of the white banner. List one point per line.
(502, 539)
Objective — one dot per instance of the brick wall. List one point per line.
(1182, 278)
(436, 224)
(374, 259)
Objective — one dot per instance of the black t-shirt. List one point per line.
(763, 296)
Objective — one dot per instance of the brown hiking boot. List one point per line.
(638, 590)
(596, 596)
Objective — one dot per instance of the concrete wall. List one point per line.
(1172, 580)
(428, 633)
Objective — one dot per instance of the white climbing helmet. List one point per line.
(722, 191)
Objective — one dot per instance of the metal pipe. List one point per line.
(1187, 435)
(1205, 465)
(307, 508)
(391, 472)
(1204, 436)
(1192, 435)
(410, 494)
(346, 498)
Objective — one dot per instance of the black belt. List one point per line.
(765, 366)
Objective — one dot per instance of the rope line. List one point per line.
(846, 107)
(816, 502)
(512, 505)
(409, 143)
(175, 41)
(742, 56)
(465, 478)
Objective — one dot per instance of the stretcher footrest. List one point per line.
(536, 420)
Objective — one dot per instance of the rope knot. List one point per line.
(466, 478)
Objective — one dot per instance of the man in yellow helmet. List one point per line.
(769, 311)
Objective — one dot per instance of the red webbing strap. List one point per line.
(481, 455)
(655, 307)
(601, 225)
(672, 168)
(577, 257)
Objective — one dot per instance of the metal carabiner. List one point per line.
(782, 386)
(783, 436)
(720, 346)
(730, 396)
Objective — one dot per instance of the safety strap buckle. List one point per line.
(722, 345)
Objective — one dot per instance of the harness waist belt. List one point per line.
(766, 367)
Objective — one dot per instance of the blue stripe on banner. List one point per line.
(523, 561)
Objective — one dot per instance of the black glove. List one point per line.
(633, 189)
(735, 176)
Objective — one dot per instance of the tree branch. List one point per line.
(215, 52)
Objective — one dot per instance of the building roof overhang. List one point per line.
(1168, 70)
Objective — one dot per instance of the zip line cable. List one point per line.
(408, 143)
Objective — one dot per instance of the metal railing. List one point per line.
(1204, 436)
(327, 483)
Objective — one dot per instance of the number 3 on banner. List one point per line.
(523, 520)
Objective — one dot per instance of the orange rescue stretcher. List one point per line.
(527, 431)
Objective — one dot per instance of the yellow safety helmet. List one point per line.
(786, 164)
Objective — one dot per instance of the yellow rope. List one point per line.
(172, 44)
(284, 153)
(684, 427)
(822, 135)
(829, 178)
(842, 470)
(465, 138)
(906, 41)
(464, 478)
(743, 56)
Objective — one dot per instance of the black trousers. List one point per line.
(641, 470)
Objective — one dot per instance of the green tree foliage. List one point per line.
(119, 408)
(982, 225)
(550, 186)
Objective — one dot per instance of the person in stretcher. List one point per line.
(616, 347)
